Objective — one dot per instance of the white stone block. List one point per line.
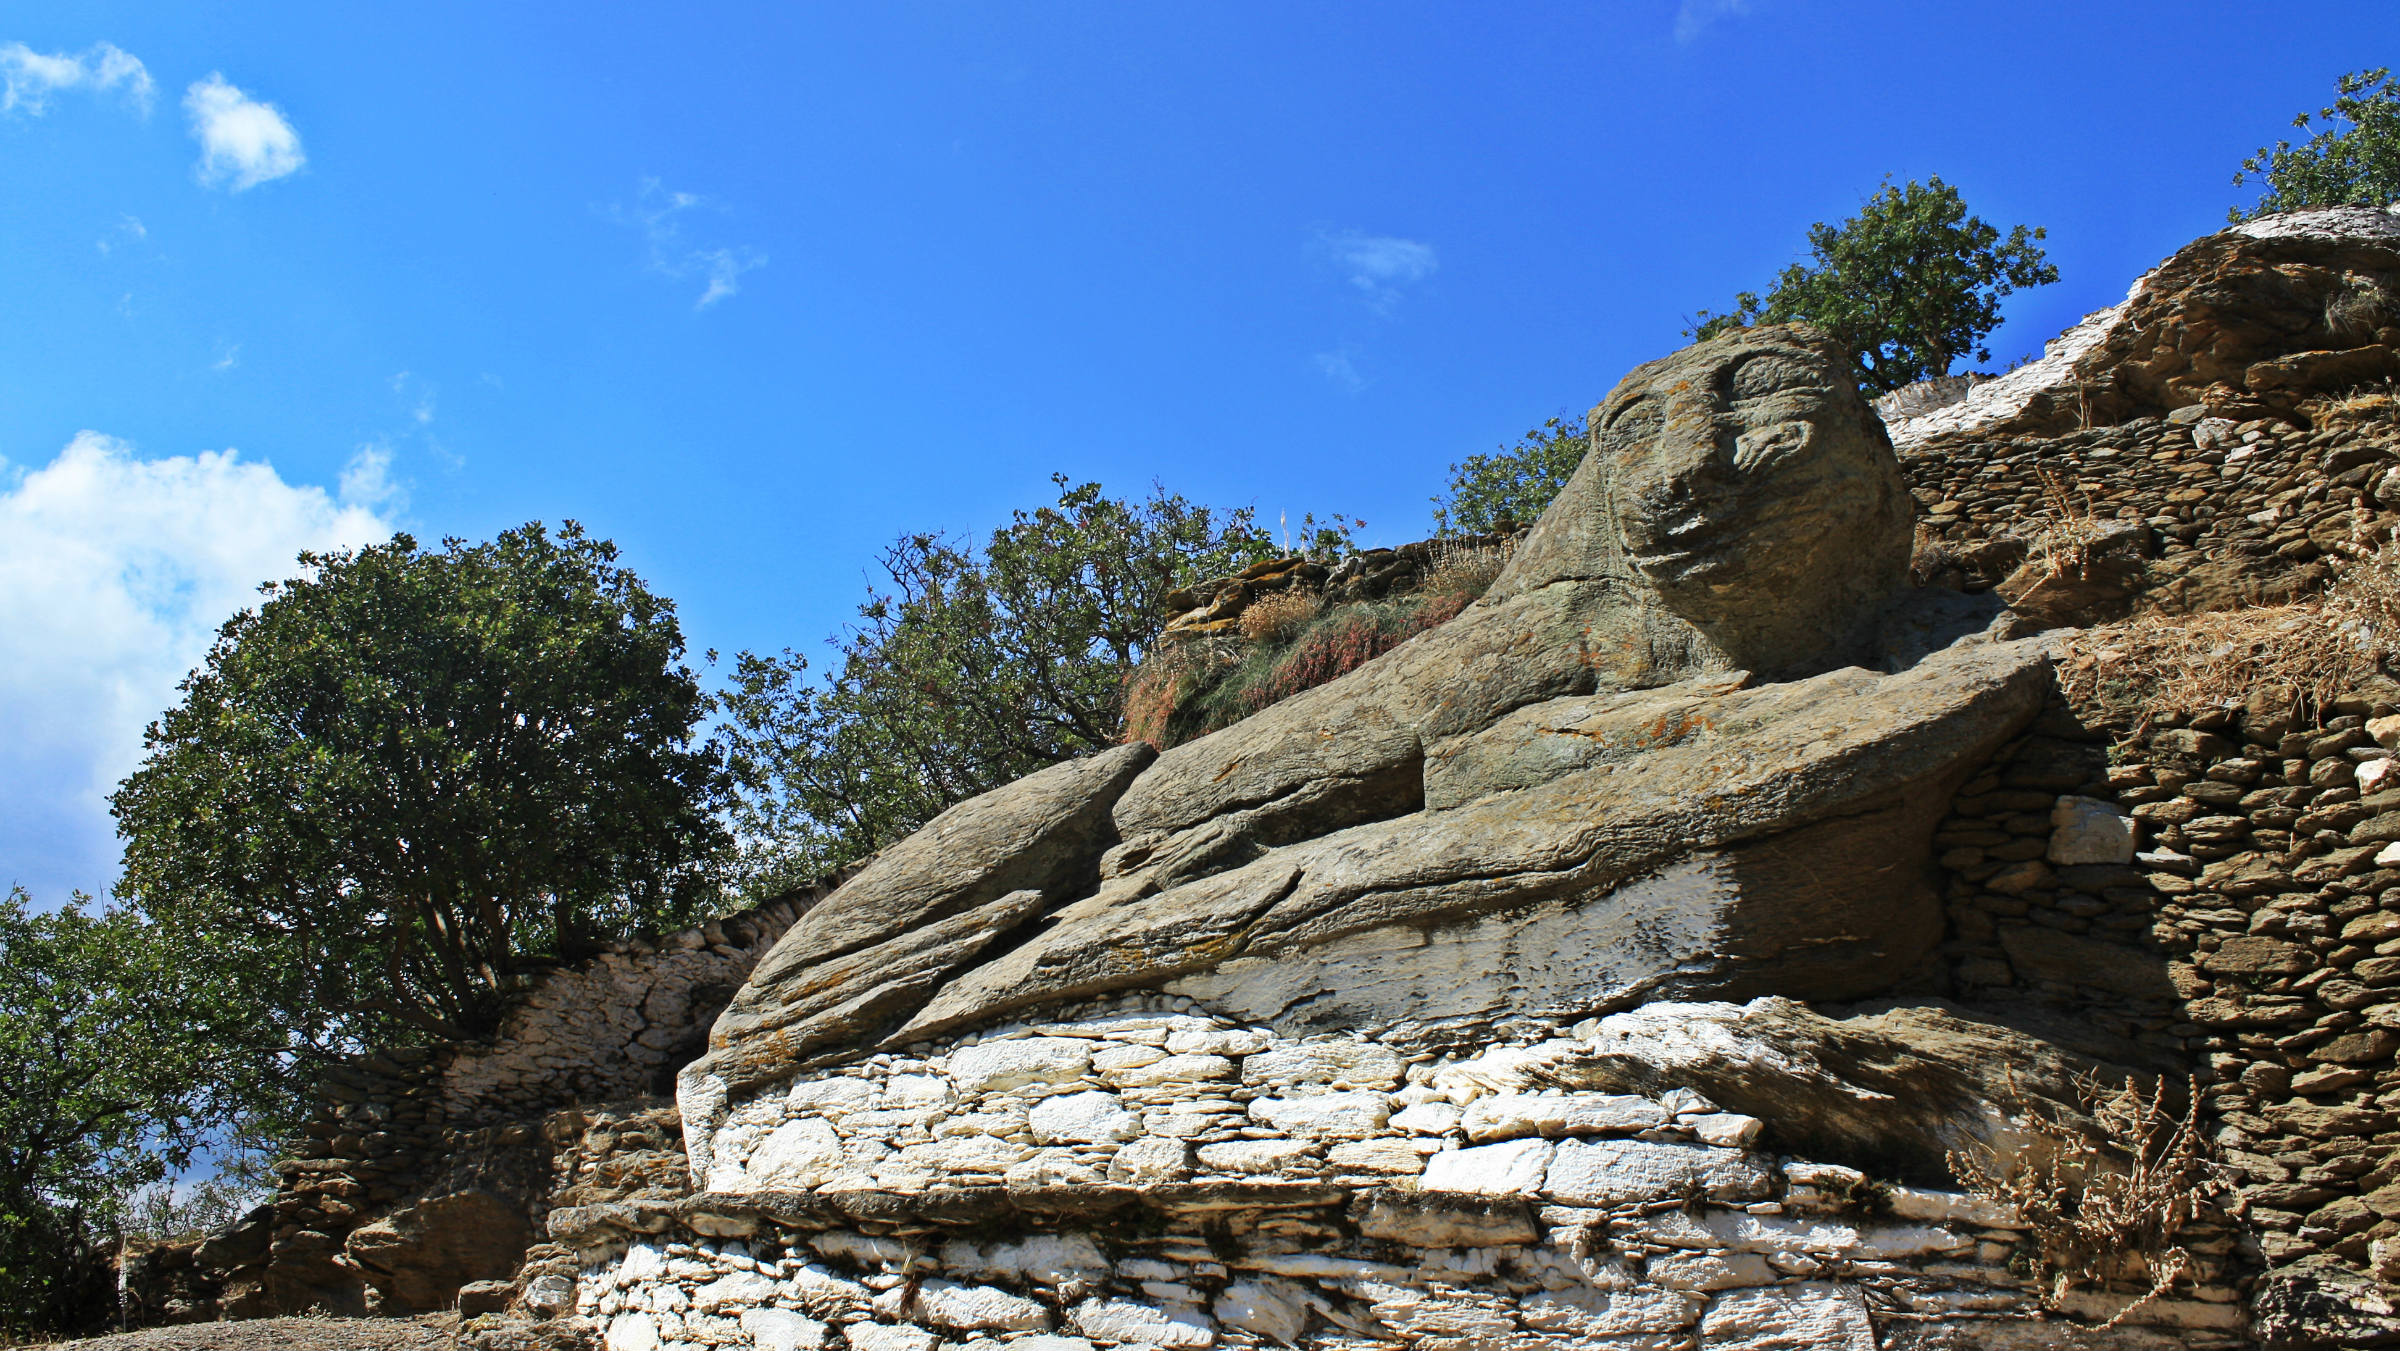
(1125, 1321)
(783, 1330)
(997, 1066)
(1043, 1259)
(967, 1308)
(1396, 1158)
(1339, 1062)
(1256, 1156)
(833, 1098)
(1126, 1056)
(1083, 1118)
(1586, 1313)
(795, 1156)
(1912, 1203)
(632, 1332)
(1218, 1041)
(1620, 1172)
(1150, 1161)
(1054, 1168)
(1709, 1271)
(1328, 1116)
(964, 1154)
(1509, 1116)
(1174, 1069)
(1810, 1316)
(1428, 1118)
(1511, 1169)
(2087, 830)
(1276, 1310)
(1730, 1129)
(737, 1290)
(888, 1337)
(2376, 775)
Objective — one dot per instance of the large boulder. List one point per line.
(1650, 763)
(2249, 320)
(418, 1257)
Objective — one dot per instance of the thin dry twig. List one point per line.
(2108, 1210)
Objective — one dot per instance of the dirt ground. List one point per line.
(434, 1332)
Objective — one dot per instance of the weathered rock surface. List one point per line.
(419, 1257)
(1783, 850)
(867, 956)
(2245, 321)
(1740, 510)
(1891, 1091)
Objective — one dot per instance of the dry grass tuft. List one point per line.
(2062, 538)
(1279, 616)
(1469, 570)
(2321, 648)
(2369, 405)
(2108, 1211)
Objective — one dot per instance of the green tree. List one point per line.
(119, 1053)
(2353, 165)
(1910, 284)
(408, 776)
(1511, 486)
(977, 666)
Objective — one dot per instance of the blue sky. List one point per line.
(752, 289)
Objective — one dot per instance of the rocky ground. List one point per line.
(433, 1332)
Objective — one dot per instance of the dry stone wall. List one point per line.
(1141, 1173)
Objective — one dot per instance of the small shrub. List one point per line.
(2107, 1210)
(1279, 616)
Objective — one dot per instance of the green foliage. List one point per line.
(1909, 285)
(118, 1053)
(977, 667)
(408, 776)
(1510, 487)
(2354, 165)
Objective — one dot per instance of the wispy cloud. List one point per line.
(28, 78)
(128, 230)
(1694, 16)
(659, 215)
(1379, 266)
(115, 571)
(243, 142)
(417, 393)
(1341, 367)
(228, 357)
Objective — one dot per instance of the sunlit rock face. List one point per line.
(1742, 505)
(1349, 1023)
(1640, 768)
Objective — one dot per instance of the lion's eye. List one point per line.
(1762, 376)
(1636, 421)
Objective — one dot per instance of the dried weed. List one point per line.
(2109, 1210)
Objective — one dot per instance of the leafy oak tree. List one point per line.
(1910, 284)
(2357, 164)
(119, 1050)
(1512, 485)
(970, 667)
(410, 775)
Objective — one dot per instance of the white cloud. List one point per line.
(419, 395)
(228, 357)
(1341, 367)
(1694, 16)
(128, 230)
(28, 78)
(1379, 266)
(115, 572)
(243, 142)
(659, 215)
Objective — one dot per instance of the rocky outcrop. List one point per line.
(1460, 800)
(2246, 323)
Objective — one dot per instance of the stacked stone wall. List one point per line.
(1140, 1172)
